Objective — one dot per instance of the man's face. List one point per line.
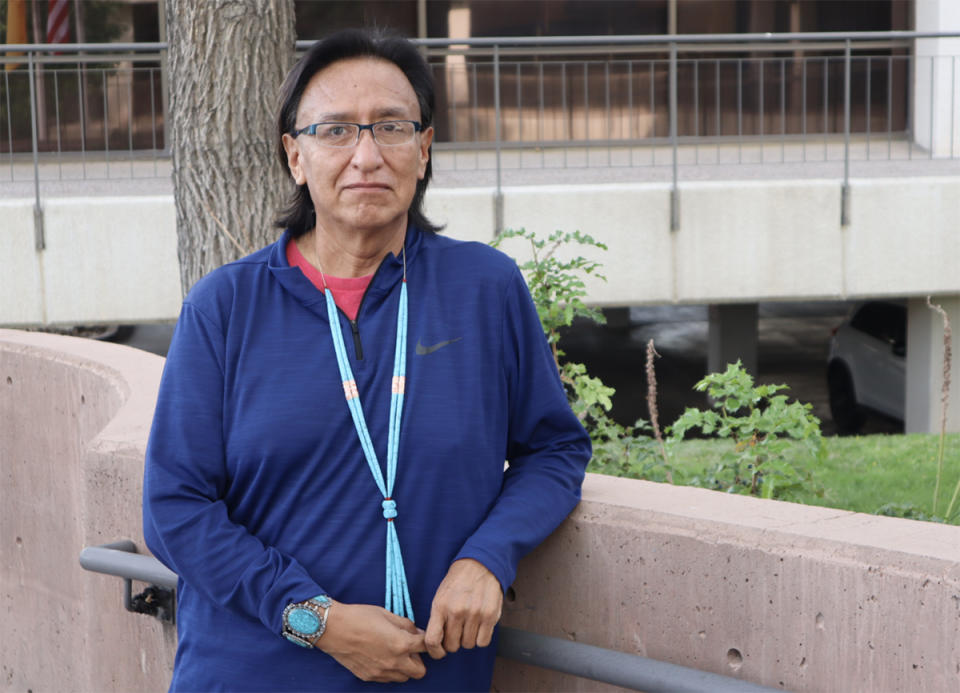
(367, 187)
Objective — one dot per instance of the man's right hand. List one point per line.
(373, 643)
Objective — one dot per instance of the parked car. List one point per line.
(866, 364)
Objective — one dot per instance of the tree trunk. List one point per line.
(227, 61)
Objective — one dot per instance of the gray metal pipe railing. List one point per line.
(680, 39)
(613, 667)
(121, 559)
(144, 47)
(574, 658)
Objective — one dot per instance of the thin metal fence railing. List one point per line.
(542, 103)
(90, 121)
(760, 68)
(738, 102)
(36, 81)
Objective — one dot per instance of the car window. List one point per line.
(883, 321)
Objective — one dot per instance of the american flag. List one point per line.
(58, 21)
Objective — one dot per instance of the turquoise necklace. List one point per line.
(397, 597)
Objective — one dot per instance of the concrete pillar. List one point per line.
(732, 335)
(925, 366)
(936, 70)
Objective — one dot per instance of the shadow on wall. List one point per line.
(804, 598)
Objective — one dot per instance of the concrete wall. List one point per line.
(107, 259)
(810, 599)
(114, 259)
(747, 241)
(74, 418)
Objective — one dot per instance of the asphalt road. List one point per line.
(794, 339)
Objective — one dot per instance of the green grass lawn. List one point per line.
(859, 473)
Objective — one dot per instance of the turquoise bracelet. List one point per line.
(305, 622)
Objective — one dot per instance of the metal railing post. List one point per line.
(165, 98)
(911, 116)
(933, 66)
(869, 72)
(165, 76)
(953, 99)
(845, 191)
(498, 196)
(674, 192)
(38, 238)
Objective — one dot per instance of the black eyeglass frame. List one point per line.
(312, 130)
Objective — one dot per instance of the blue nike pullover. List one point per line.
(256, 491)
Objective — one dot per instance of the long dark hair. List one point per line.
(299, 215)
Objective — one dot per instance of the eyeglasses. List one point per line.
(386, 132)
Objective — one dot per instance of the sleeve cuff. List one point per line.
(505, 574)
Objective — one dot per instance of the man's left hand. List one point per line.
(465, 609)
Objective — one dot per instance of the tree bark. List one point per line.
(227, 61)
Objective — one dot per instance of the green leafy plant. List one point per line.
(772, 438)
(558, 287)
(766, 430)
(906, 510)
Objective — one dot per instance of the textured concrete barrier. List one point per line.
(74, 418)
(805, 598)
(810, 599)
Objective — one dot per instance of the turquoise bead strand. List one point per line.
(397, 593)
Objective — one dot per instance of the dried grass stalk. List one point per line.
(652, 400)
(944, 404)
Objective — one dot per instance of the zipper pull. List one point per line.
(356, 339)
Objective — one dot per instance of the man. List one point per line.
(336, 410)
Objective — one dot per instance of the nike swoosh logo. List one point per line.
(424, 350)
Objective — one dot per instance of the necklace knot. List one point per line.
(389, 508)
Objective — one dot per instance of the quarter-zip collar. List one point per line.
(386, 278)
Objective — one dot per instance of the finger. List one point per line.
(452, 634)
(401, 622)
(485, 633)
(413, 667)
(392, 677)
(469, 637)
(488, 622)
(433, 638)
(404, 644)
(400, 669)
(436, 651)
(417, 644)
